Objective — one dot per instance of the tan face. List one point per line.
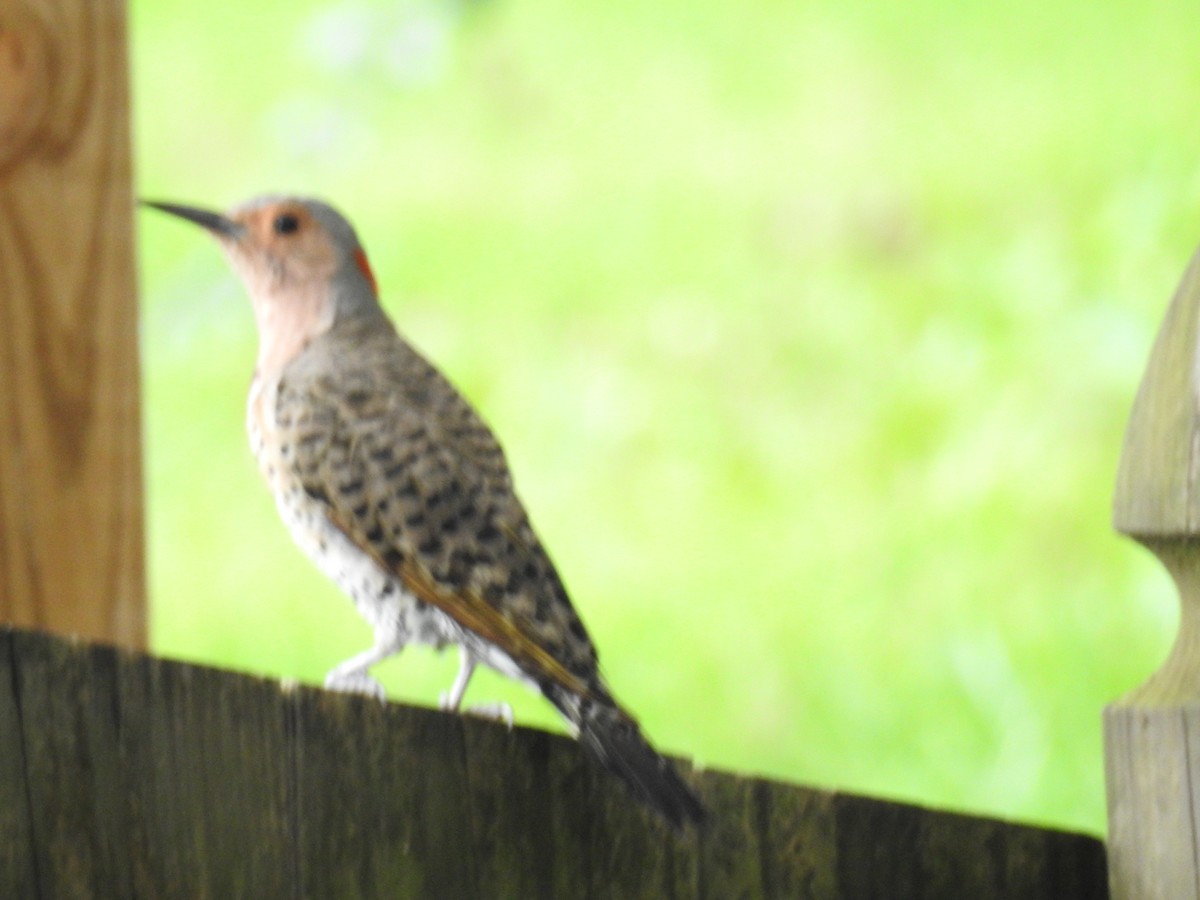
(281, 247)
(299, 261)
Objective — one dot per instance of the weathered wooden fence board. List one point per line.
(382, 805)
(17, 876)
(128, 776)
(207, 774)
(66, 696)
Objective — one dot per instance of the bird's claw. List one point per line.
(355, 683)
(496, 712)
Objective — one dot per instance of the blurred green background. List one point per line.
(810, 330)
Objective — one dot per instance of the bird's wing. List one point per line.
(408, 471)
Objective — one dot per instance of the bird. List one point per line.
(391, 482)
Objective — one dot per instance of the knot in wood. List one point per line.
(47, 56)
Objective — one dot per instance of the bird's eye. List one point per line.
(286, 224)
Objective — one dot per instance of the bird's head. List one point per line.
(300, 261)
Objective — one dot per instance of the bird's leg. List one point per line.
(451, 700)
(352, 676)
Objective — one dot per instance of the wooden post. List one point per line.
(1152, 735)
(71, 543)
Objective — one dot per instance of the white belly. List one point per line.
(380, 597)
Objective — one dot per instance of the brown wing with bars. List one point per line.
(413, 476)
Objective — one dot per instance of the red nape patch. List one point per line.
(360, 259)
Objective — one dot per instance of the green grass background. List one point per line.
(810, 330)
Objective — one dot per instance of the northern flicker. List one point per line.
(390, 481)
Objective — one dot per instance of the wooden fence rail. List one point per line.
(123, 775)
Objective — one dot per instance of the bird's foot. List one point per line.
(496, 712)
(355, 683)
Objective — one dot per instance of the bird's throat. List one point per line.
(287, 322)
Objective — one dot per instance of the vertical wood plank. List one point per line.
(546, 822)
(66, 692)
(797, 840)
(512, 811)
(71, 529)
(381, 806)
(207, 767)
(878, 850)
(605, 843)
(731, 863)
(18, 874)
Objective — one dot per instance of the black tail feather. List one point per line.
(617, 742)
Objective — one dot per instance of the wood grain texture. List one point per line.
(1150, 766)
(71, 528)
(1156, 493)
(67, 697)
(135, 777)
(18, 876)
(207, 782)
(1152, 735)
(896, 850)
(1152, 758)
(381, 800)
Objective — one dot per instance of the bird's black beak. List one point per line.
(214, 222)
